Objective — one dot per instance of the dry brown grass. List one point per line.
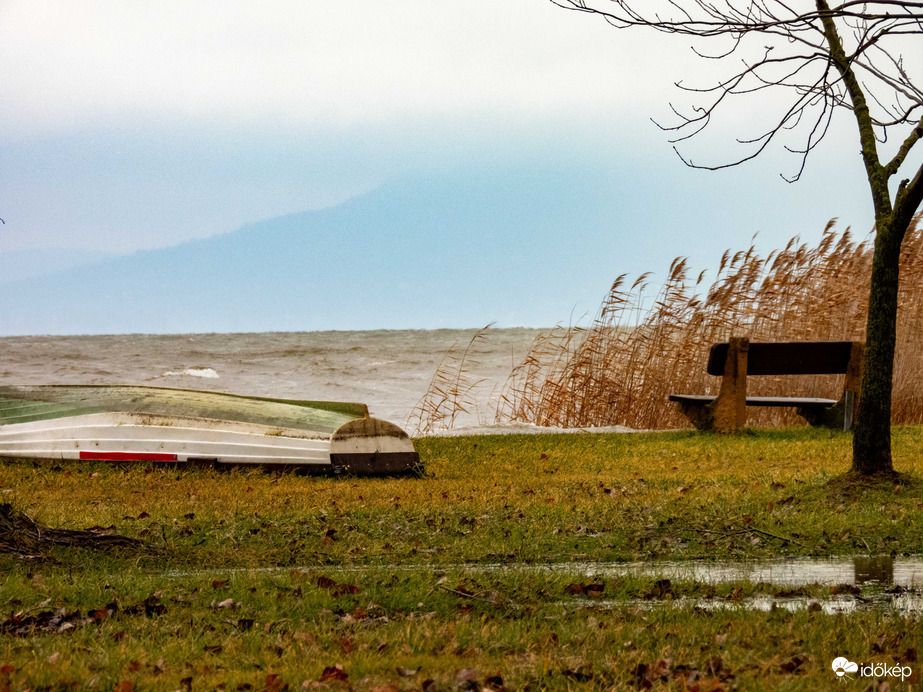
(620, 369)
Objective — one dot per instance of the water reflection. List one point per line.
(860, 570)
(904, 604)
(877, 569)
(857, 570)
(894, 584)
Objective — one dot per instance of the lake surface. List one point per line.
(389, 370)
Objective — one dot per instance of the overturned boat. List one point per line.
(124, 423)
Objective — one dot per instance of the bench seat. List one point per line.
(738, 359)
(799, 402)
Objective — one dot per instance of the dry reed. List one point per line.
(451, 391)
(620, 369)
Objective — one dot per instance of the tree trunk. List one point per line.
(872, 437)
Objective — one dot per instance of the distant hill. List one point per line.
(27, 264)
(519, 246)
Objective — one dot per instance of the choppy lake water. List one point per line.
(389, 370)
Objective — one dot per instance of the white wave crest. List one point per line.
(208, 373)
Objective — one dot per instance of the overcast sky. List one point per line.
(129, 124)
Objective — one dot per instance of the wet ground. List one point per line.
(858, 571)
(881, 582)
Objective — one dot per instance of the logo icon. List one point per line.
(842, 666)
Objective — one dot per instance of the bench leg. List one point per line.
(720, 416)
(840, 416)
(729, 410)
(700, 415)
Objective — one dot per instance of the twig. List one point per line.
(476, 597)
(772, 535)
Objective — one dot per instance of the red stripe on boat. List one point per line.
(127, 456)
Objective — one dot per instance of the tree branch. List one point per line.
(907, 201)
(875, 171)
(914, 136)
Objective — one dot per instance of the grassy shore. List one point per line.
(258, 581)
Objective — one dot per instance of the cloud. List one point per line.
(323, 65)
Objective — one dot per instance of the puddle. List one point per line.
(858, 571)
(894, 584)
(903, 604)
(876, 575)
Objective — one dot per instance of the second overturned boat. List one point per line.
(126, 423)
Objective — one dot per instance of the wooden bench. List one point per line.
(738, 359)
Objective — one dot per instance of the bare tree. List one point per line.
(821, 60)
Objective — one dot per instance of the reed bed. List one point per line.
(619, 369)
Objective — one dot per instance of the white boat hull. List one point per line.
(360, 445)
(140, 437)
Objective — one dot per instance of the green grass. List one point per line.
(396, 551)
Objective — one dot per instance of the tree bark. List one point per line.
(872, 437)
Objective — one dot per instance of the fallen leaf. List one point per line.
(577, 589)
(347, 645)
(334, 673)
(879, 646)
(494, 682)
(792, 664)
(150, 606)
(578, 675)
(325, 582)
(274, 683)
(659, 589)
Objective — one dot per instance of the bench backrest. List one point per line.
(792, 358)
